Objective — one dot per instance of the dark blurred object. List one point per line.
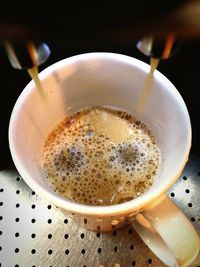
(71, 28)
(24, 20)
(21, 22)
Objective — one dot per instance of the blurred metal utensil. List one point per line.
(159, 48)
(27, 55)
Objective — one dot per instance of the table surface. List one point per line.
(34, 233)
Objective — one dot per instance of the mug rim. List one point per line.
(75, 207)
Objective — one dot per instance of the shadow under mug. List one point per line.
(96, 79)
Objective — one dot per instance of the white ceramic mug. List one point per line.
(111, 79)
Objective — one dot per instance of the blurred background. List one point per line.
(73, 28)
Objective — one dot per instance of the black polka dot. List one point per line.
(50, 251)
(17, 192)
(1, 218)
(66, 236)
(16, 250)
(82, 235)
(190, 205)
(18, 179)
(1, 190)
(33, 251)
(133, 263)
(192, 219)
(33, 235)
(49, 207)
(115, 249)
(99, 250)
(85, 221)
(185, 178)
(16, 234)
(17, 219)
(33, 220)
(0, 248)
(49, 236)
(172, 194)
(16, 265)
(0, 232)
(33, 193)
(149, 261)
(98, 234)
(65, 221)
(131, 247)
(49, 221)
(83, 251)
(1, 203)
(17, 205)
(187, 191)
(67, 251)
(33, 206)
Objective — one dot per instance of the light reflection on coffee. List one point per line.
(100, 156)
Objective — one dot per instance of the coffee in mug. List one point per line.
(100, 156)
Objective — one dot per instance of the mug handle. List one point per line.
(168, 233)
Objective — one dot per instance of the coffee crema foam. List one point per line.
(100, 156)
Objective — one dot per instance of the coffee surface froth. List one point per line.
(100, 156)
